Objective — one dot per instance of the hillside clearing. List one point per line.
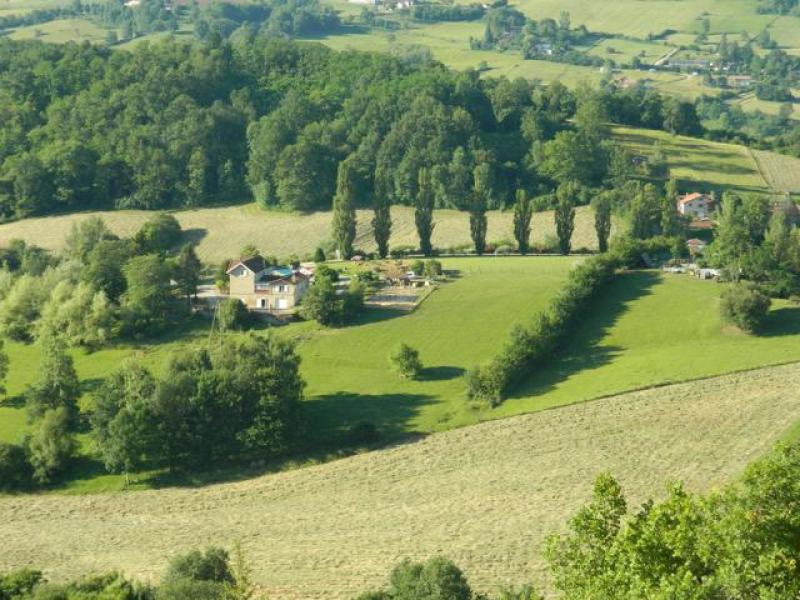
(221, 233)
(711, 165)
(485, 496)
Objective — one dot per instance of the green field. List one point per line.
(646, 330)
(700, 163)
(485, 496)
(61, 30)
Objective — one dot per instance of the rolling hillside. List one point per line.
(485, 496)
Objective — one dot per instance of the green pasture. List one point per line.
(61, 31)
(696, 162)
(622, 50)
(652, 329)
(647, 329)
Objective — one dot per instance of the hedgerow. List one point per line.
(533, 345)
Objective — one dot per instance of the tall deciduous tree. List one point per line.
(124, 422)
(187, 271)
(423, 211)
(344, 211)
(670, 219)
(58, 385)
(565, 216)
(147, 298)
(523, 212)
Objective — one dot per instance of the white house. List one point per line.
(697, 206)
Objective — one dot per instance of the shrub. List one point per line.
(232, 315)
(406, 362)
(18, 584)
(14, 468)
(158, 235)
(745, 306)
(319, 255)
(432, 268)
(211, 565)
(326, 272)
(51, 446)
(321, 304)
(417, 267)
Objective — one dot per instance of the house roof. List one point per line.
(294, 277)
(695, 196)
(256, 264)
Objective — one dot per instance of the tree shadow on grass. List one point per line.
(17, 401)
(782, 322)
(443, 373)
(331, 417)
(584, 349)
(194, 235)
(372, 315)
(331, 422)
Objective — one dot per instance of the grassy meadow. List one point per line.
(485, 496)
(221, 233)
(696, 162)
(61, 31)
(648, 329)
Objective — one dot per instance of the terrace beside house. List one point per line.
(267, 288)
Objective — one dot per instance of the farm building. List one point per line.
(697, 206)
(262, 287)
(740, 82)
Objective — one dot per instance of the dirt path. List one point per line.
(485, 496)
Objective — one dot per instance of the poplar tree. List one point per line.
(423, 211)
(344, 212)
(477, 209)
(382, 224)
(523, 212)
(565, 218)
(602, 220)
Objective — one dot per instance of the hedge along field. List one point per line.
(648, 329)
(485, 496)
(221, 233)
(645, 329)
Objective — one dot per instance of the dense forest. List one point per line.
(181, 124)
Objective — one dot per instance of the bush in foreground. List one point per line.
(745, 306)
(405, 360)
